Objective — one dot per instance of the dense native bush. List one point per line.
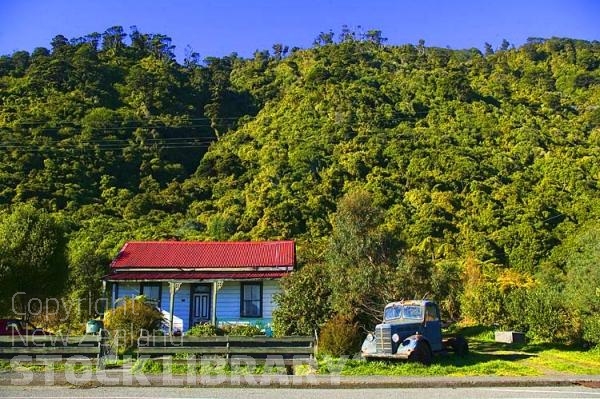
(462, 155)
(446, 286)
(481, 299)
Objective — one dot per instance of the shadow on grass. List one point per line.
(486, 357)
(541, 347)
(475, 363)
(483, 348)
(491, 346)
(477, 358)
(481, 338)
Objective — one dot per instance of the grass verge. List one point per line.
(213, 368)
(488, 358)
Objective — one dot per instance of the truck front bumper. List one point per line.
(384, 356)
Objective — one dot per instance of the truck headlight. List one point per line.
(395, 338)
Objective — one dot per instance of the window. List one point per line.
(251, 300)
(431, 312)
(392, 312)
(413, 312)
(152, 292)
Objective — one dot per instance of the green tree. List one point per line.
(303, 305)
(466, 156)
(33, 264)
(88, 263)
(361, 258)
(582, 278)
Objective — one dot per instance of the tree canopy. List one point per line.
(479, 162)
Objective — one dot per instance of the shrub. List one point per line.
(540, 312)
(339, 336)
(591, 330)
(242, 330)
(515, 304)
(446, 286)
(202, 330)
(481, 299)
(545, 314)
(132, 318)
(482, 303)
(304, 301)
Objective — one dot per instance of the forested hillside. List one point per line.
(406, 170)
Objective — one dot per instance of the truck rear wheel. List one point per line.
(460, 346)
(421, 354)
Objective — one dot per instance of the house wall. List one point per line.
(228, 301)
(182, 307)
(270, 288)
(127, 290)
(181, 302)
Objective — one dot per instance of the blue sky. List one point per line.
(219, 27)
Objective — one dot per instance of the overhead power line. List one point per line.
(128, 121)
(107, 145)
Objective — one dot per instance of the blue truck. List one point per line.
(411, 330)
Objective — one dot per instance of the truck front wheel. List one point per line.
(421, 354)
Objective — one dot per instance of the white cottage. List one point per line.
(198, 282)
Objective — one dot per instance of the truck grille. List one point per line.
(383, 334)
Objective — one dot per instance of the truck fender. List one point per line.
(409, 344)
(369, 345)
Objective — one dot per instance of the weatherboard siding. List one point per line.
(228, 300)
(270, 288)
(182, 305)
(128, 290)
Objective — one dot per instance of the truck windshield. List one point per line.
(392, 312)
(413, 312)
(405, 312)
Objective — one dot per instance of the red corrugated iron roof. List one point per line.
(162, 276)
(194, 254)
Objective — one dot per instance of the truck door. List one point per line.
(433, 326)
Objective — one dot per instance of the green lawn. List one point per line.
(489, 358)
(486, 358)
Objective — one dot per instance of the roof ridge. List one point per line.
(207, 242)
(206, 254)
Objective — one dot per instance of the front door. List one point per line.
(200, 312)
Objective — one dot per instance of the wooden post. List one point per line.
(173, 288)
(217, 285)
(113, 295)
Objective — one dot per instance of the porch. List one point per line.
(220, 302)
